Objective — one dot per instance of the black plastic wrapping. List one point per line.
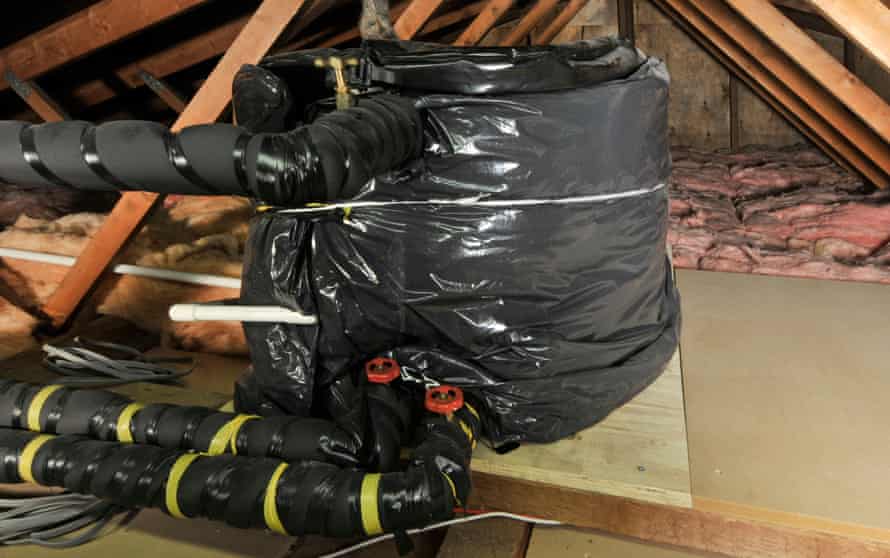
(500, 70)
(522, 257)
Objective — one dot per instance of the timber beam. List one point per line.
(741, 535)
(130, 213)
(816, 112)
(36, 98)
(560, 22)
(86, 31)
(415, 17)
(865, 22)
(482, 24)
(528, 22)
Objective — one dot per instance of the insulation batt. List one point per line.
(788, 212)
(196, 234)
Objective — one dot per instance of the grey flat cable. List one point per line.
(46, 520)
(83, 366)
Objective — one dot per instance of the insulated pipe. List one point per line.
(330, 158)
(103, 415)
(294, 499)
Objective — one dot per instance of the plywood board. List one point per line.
(786, 386)
(639, 451)
(699, 104)
(564, 542)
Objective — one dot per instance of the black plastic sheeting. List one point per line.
(522, 257)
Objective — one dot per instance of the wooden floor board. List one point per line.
(639, 451)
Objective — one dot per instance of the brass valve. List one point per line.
(344, 98)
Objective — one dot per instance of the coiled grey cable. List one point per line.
(83, 366)
(46, 520)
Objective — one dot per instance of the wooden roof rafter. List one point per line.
(790, 71)
(482, 24)
(560, 22)
(127, 217)
(528, 22)
(415, 17)
(818, 63)
(865, 22)
(84, 32)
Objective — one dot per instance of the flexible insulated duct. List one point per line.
(291, 498)
(330, 158)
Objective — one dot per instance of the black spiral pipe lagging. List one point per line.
(328, 159)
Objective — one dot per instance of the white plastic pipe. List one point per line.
(126, 269)
(236, 313)
(185, 312)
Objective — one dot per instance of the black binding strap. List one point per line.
(91, 159)
(29, 151)
(179, 160)
(239, 159)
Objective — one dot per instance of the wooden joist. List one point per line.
(865, 22)
(809, 55)
(560, 21)
(84, 32)
(692, 528)
(528, 22)
(415, 17)
(483, 23)
(206, 106)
